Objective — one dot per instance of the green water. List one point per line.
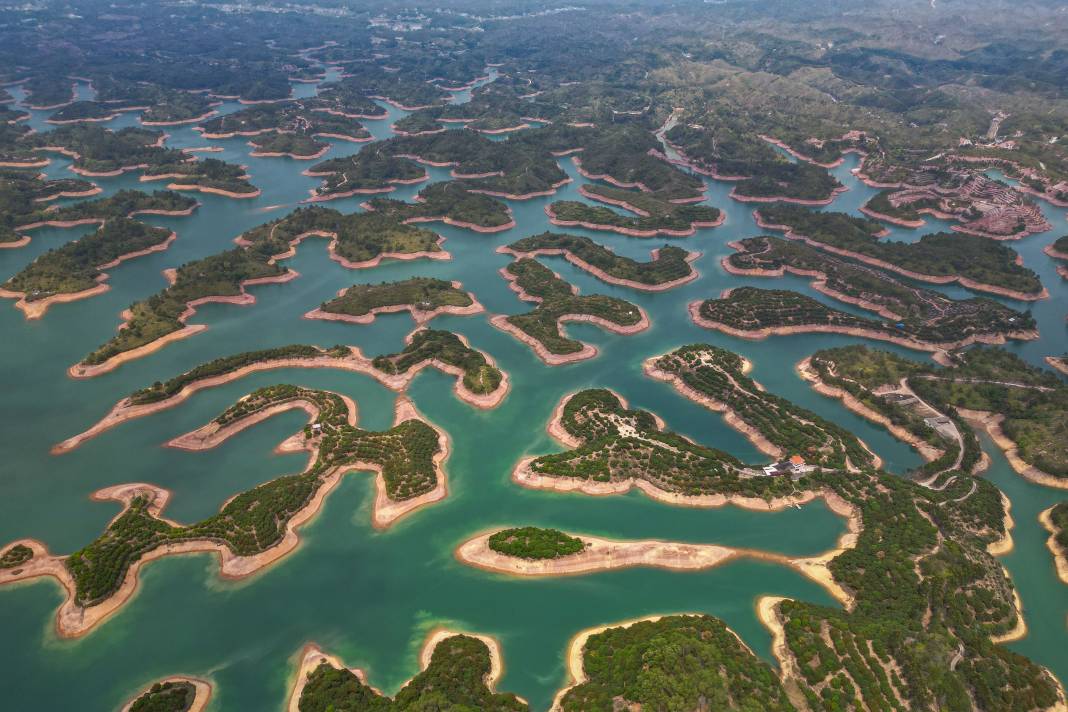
(371, 596)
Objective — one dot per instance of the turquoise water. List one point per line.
(371, 596)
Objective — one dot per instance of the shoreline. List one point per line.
(606, 277)
(195, 188)
(835, 192)
(203, 691)
(80, 370)
(915, 344)
(1060, 554)
(331, 249)
(635, 232)
(966, 282)
(991, 423)
(1058, 363)
(587, 351)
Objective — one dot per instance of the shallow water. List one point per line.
(372, 596)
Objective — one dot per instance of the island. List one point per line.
(88, 111)
(370, 171)
(753, 313)
(423, 297)
(653, 215)
(479, 381)
(298, 117)
(1055, 521)
(458, 671)
(255, 528)
(977, 263)
(1058, 250)
(782, 181)
(559, 302)
(122, 204)
(923, 314)
(688, 661)
(76, 269)
(670, 266)
(173, 694)
(222, 277)
(452, 203)
(98, 151)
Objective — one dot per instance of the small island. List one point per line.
(458, 671)
(558, 302)
(1058, 250)
(370, 171)
(423, 297)
(123, 204)
(299, 121)
(255, 528)
(753, 313)
(977, 263)
(670, 266)
(174, 694)
(76, 270)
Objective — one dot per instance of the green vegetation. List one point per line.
(1061, 245)
(859, 370)
(670, 263)
(296, 145)
(293, 118)
(719, 375)
(159, 391)
(793, 181)
(256, 520)
(208, 173)
(360, 236)
(169, 107)
(454, 680)
(753, 309)
(83, 111)
(556, 299)
(1058, 516)
(21, 196)
(48, 90)
(15, 556)
(669, 219)
(342, 99)
(219, 275)
(451, 201)
(75, 266)
(124, 203)
(940, 254)
(479, 377)
(924, 314)
(424, 294)
(675, 663)
(370, 170)
(924, 585)
(172, 696)
(535, 543)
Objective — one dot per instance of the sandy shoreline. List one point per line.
(201, 698)
(1058, 363)
(991, 423)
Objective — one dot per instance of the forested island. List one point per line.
(977, 263)
(423, 297)
(653, 215)
(559, 302)
(256, 527)
(670, 266)
(75, 270)
(177, 694)
(452, 203)
(459, 672)
(222, 277)
(122, 204)
(534, 543)
(753, 313)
